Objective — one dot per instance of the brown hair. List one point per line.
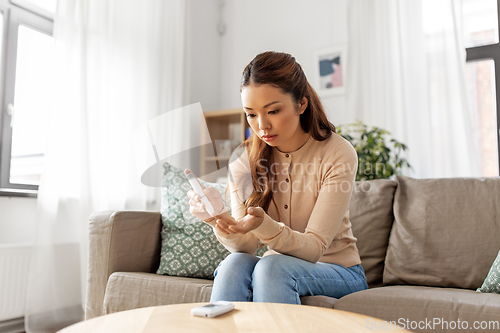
(282, 71)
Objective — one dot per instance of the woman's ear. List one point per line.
(303, 105)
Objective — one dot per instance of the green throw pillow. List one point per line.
(492, 282)
(189, 247)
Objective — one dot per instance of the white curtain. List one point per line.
(120, 63)
(407, 75)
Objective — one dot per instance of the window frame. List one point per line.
(14, 16)
(486, 52)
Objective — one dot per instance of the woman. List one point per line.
(290, 185)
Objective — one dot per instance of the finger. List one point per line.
(256, 211)
(198, 206)
(223, 226)
(215, 198)
(221, 229)
(201, 206)
(195, 210)
(239, 228)
(227, 221)
(195, 197)
(192, 195)
(226, 224)
(212, 192)
(193, 202)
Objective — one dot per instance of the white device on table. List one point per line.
(213, 309)
(197, 188)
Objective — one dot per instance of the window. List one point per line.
(481, 27)
(26, 64)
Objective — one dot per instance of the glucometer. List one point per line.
(213, 309)
(195, 184)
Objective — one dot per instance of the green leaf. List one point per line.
(378, 155)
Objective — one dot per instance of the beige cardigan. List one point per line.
(312, 193)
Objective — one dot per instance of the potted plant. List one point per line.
(377, 158)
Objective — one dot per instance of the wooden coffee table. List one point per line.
(247, 317)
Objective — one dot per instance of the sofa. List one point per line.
(426, 245)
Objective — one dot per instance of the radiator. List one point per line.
(14, 266)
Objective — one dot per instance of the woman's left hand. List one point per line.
(253, 219)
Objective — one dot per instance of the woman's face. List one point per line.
(274, 116)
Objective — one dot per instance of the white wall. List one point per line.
(215, 63)
(295, 26)
(203, 50)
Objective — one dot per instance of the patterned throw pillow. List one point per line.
(189, 247)
(492, 282)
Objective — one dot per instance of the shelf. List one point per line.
(223, 125)
(220, 158)
(223, 113)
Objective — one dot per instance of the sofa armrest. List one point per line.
(119, 241)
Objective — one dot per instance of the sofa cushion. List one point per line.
(320, 301)
(126, 291)
(189, 247)
(413, 304)
(445, 232)
(492, 282)
(370, 213)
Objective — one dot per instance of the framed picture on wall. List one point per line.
(329, 70)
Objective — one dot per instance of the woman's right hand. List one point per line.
(197, 207)
(221, 219)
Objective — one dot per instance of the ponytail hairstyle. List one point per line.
(282, 71)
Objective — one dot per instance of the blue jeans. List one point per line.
(242, 277)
